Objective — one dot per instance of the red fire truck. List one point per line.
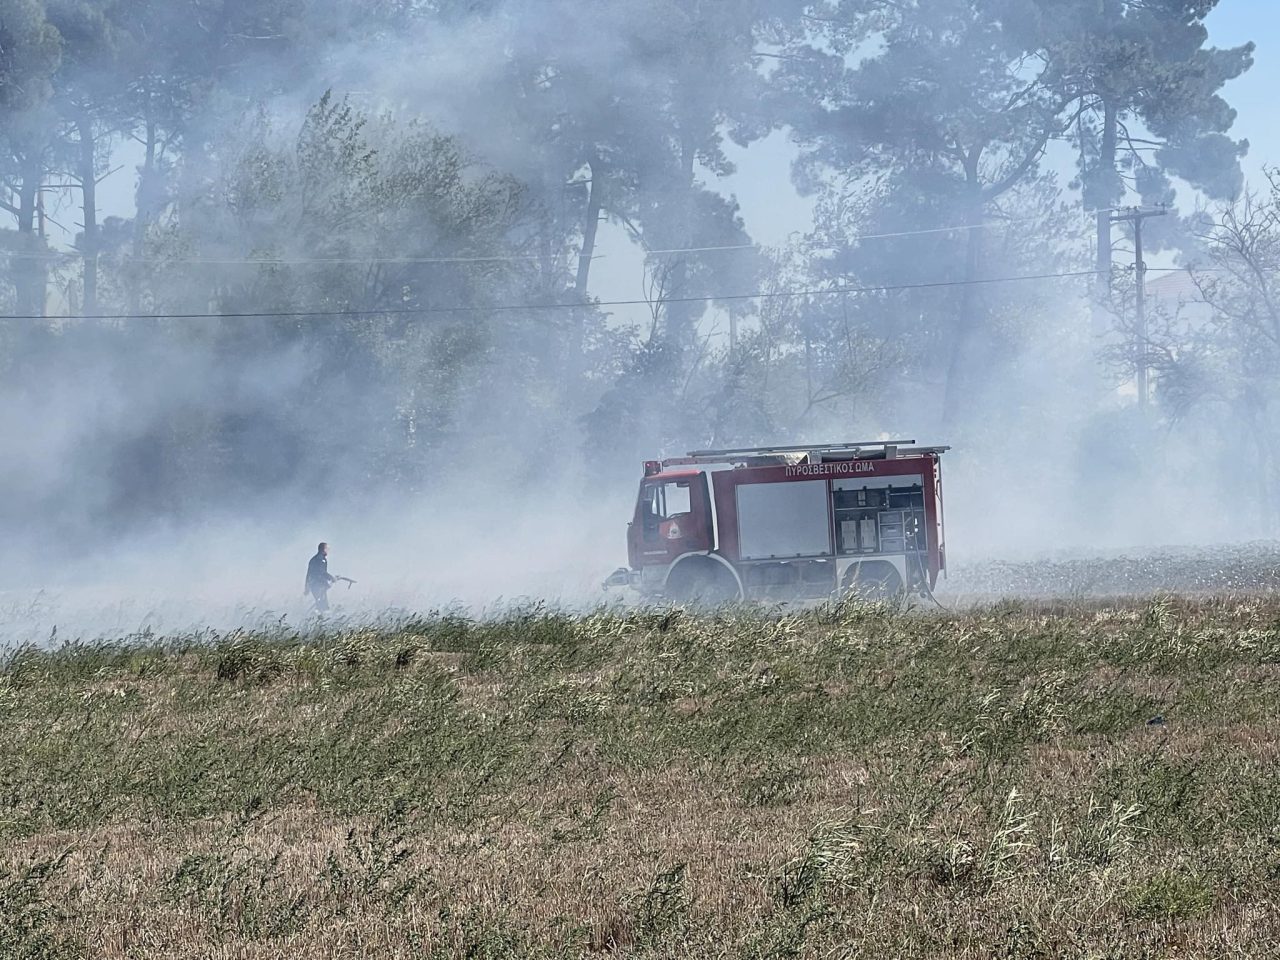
(786, 523)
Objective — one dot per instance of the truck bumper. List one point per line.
(622, 579)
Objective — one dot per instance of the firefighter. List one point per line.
(319, 580)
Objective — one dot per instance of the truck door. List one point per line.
(673, 518)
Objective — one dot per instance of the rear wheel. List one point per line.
(873, 580)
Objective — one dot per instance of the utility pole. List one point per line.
(1136, 216)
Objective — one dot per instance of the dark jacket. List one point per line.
(318, 579)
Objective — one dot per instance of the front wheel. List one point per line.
(702, 583)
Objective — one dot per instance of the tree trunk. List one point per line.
(682, 317)
(1103, 192)
(590, 226)
(142, 214)
(957, 394)
(87, 174)
(1101, 197)
(29, 279)
(1106, 169)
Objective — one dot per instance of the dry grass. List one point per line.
(1015, 781)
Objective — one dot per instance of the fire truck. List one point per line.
(788, 523)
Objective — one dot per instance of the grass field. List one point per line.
(1021, 781)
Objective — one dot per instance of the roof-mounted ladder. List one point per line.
(798, 448)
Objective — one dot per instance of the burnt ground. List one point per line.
(1244, 568)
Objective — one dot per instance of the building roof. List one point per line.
(1177, 287)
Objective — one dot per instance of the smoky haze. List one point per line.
(358, 281)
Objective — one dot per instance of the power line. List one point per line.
(506, 307)
(287, 261)
(527, 258)
(859, 238)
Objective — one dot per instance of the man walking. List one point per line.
(319, 579)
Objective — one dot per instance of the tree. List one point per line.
(399, 235)
(1145, 100)
(30, 52)
(1229, 362)
(631, 113)
(621, 115)
(923, 115)
(89, 106)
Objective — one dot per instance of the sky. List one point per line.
(1253, 95)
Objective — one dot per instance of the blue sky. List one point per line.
(1255, 94)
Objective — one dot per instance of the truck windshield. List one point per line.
(664, 500)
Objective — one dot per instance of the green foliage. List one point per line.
(662, 912)
(253, 662)
(1146, 63)
(1172, 895)
(377, 863)
(30, 50)
(33, 925)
